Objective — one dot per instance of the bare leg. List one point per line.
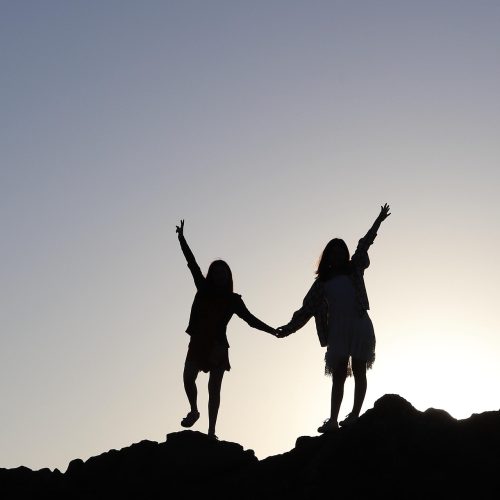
(338, 379)
(360, 384)
(214, 387)
(190, 374)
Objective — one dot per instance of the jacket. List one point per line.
(315, 302)
(211, 310)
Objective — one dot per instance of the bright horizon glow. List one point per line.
(270, 127)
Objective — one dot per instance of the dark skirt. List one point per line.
(208, 355)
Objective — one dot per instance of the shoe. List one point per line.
(190, 419)
(327, 426)
(350, 419)
(213, 437)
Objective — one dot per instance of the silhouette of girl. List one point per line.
(213, 306)
(339, 303)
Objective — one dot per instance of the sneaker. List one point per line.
(350, 419)
(190, 419)
(327, 426)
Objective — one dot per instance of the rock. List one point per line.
(393, 450)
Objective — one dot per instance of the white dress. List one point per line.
(349, 334)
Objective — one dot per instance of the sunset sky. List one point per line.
(270, 127)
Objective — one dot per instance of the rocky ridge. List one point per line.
(393, 450)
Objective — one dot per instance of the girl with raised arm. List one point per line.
(208, 351)
(339, 304)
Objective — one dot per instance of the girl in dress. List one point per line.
(208, 351)
(339, 303)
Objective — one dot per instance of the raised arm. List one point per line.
(198, 277)
(242, 311)
(384, 213)
(360, 256)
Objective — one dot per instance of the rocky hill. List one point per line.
(392, 451)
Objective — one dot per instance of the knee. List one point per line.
(339, 370)
(214, 384)
(339, 375)
(359, 370)
(190, 373)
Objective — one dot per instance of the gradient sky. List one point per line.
(270, 127)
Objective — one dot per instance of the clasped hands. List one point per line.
(281, 332)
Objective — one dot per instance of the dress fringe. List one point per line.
(329, 369)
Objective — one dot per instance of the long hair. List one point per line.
(334, 260)
(213, 268)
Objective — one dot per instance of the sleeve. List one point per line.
(198, 277)
(242, 311)
(306, 312)
(360, 258)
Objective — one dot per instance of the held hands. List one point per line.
(180, 229)
(282, 332)
(278, 333)
(384, 212)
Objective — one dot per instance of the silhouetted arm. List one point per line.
(198, 277)
(360, 257)
(305, 313)
(242, 311)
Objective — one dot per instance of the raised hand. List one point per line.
(180, 229)
(384, 212)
